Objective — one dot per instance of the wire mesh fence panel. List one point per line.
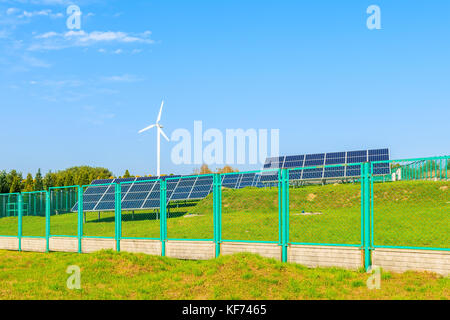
(190, 213)
(99, 210)
(140, 209)
(64, 211)
(325, 205)
(250, 213)
(411, 204)
(33, 214)
(9, 211)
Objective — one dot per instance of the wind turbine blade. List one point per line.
(163, 134)
(148, 128)
(160, 112)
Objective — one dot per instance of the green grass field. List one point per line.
(410, 213)
(112, 275)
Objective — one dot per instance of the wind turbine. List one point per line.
(158, 138)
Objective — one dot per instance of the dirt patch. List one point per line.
(193, 215)
(307, 213)
(311, 197)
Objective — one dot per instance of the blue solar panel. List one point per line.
(329, 159)
(140, 193)
(312, 160)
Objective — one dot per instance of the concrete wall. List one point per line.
(63, 244)
(268, 250)
(7, 243)
(324, 256)
(396, 260)
(401, 260)
(152, 247)
(89, 245)
(190, 250)
(34, 244)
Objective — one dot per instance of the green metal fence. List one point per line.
(99, 217)
(416, 213)
(34, 221)
(240, 222)
(382, 204)
(137, 223)
(187, 219)
(63, 213)
(314, 218)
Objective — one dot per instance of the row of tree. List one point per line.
(13, 181)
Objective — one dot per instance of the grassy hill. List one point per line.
(112, 275)
(409, 213)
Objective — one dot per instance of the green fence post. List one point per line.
(217, 218)
(20, 218)
(284, 207)
(47, 220)
(367, 205)
(163, 215)
(118, 215)
(80, 217)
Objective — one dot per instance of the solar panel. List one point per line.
(144, 192)
(327, 159)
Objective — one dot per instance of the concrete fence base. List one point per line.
(34, 244)
(267, 250)
(89, 245)
(151, 247)
(323, 256)
(401, 260)
(7, 243)
(395, 260)
(61, 244)
(190, 250)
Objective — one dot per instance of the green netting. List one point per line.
(325, 210)
(412, 207)
(250, 213)
(140, 209)
(187, 219)
(63, 211)
(33, 222)
(99, 216)
(9, 210)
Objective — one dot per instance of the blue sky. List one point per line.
(309, 68)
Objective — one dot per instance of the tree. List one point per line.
(127, 174)
(4, 185)
(29, 183)
(204, 169)
(15, 181)
(38, 182)
(49, 180)
(227, 169)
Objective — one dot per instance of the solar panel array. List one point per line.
(144, 192)
(320, 160)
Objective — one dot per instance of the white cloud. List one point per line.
(56, 41)
(46, 35)
(11, 11)
(30, 14)
(123, 78)
(118, 51)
